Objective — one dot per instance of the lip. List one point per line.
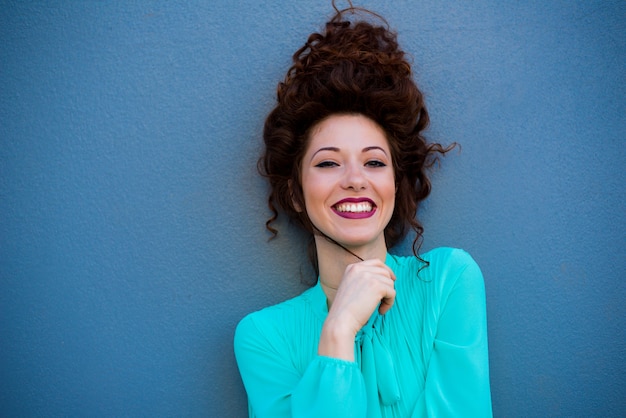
(355, 215)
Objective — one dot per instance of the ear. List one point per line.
(295, 204)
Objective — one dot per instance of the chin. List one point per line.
(355, 243)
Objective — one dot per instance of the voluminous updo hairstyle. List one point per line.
(350, 68)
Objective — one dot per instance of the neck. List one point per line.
(333, 260)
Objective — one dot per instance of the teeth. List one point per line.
(354, 207)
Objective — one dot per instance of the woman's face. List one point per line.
(348, 181)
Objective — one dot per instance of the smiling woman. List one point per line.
(378, 335)
(348, 185)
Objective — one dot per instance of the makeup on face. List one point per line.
(348, 180)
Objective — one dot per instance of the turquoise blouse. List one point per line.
(426, 357)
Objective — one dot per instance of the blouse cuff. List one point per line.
(330, 387)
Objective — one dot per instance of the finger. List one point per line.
(385, 305)
(379, 266)
(386, 268)
(387, 302)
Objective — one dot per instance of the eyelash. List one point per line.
(371, 163)
(325, 164)
(376, 163)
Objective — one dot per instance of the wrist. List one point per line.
(337, 340)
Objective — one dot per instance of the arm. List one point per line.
(457, 381)
(364, 287)
(332, 384)
(328, 387)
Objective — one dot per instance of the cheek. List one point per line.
(389, 195)
(313, 195)
(391, 198)
(316, 183)
(389, 187)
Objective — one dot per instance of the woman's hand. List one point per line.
(363, 287)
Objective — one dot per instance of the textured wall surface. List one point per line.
(131, 214)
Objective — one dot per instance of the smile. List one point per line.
(354, 208)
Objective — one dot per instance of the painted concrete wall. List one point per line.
(131, 215)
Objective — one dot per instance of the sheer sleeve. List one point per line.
(457, 380)
(327, 388)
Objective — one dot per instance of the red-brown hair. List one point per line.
(350, 68)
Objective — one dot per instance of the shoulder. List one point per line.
(271, 323)
(440, 267)
(455, 268)
(449, 258)
(436, 260)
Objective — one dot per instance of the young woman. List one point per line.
(378, 335)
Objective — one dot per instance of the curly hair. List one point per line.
(350, 68)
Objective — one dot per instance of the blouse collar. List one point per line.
(319, 301)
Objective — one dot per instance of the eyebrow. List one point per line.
(374, 148)
(335, 149)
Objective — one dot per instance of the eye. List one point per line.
(375, 163)
(325, 164)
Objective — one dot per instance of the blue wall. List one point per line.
(131, 214)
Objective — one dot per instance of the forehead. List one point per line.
(347, 130)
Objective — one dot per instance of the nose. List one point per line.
(353, 178)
